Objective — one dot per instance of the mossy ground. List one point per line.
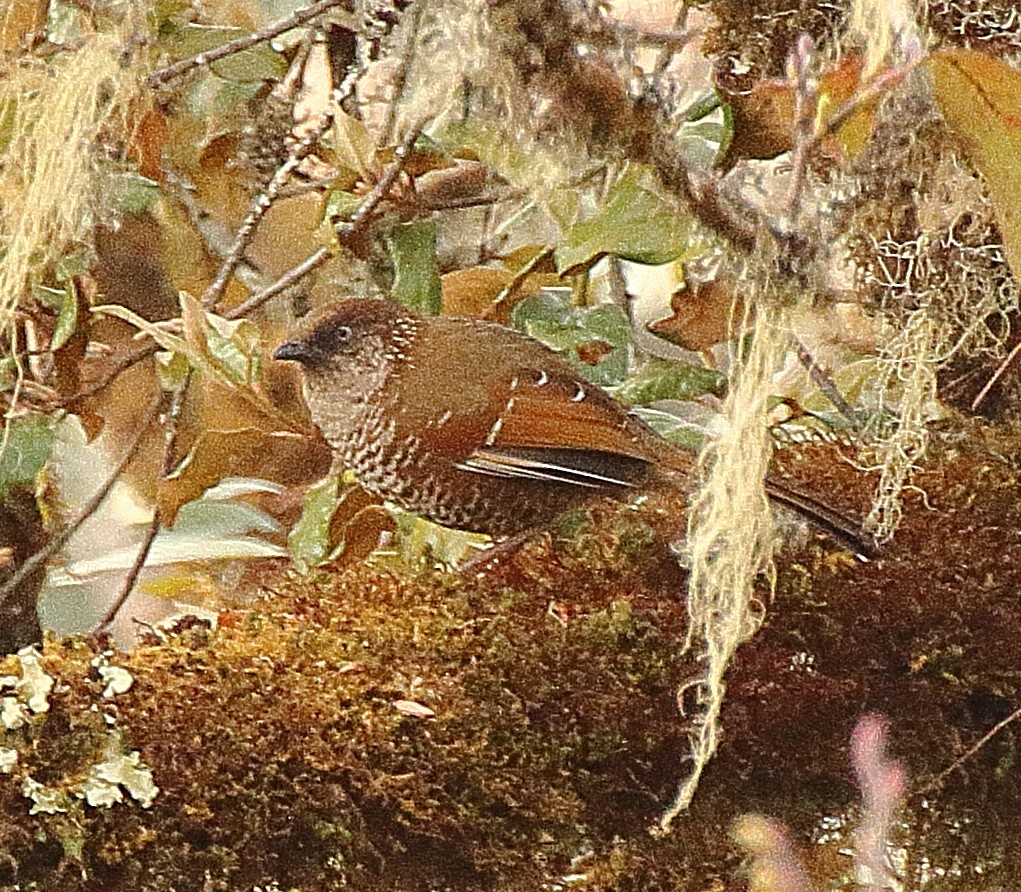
(285, 756)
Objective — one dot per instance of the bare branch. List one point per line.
(163, 75)
(291, 277)
(938, 781)
(359, 219)
(263, 201)
(167, 467)
(1000, 370)
(806, 103)
(826, 384)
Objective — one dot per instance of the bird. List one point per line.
(479, 427)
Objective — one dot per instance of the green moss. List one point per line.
(284, 755)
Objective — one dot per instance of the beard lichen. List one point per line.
(730, 535)
(56, 115)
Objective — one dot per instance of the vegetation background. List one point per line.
(777, 222)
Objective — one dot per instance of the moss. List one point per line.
(284, 755)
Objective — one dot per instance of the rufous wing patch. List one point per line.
(547, 410)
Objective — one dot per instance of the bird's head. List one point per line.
(352, 333)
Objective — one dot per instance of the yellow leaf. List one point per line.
(980, 98)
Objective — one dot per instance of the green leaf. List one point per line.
(8, 115)
(662, 379)
(341, 204)
(704, 106)
(636, 222)
(229, 343)
(28, 448)
(212, 344)
(551, 319)
(67, 321)
(76, 263)
(172, 369)
(213, 518)
(8, 373)
(309, 541)
(412, 248)
(128, 192)
(260, 63)
(699, 144)
(672, 428)
(51, 298)
(354, 145)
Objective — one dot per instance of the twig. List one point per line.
(937, 781)
(672, 48)
(345, 234)
(701, 191)
(291, 277)
(1000, 370)
(170, 72)
(125, 363)
(345, 231)
(825, 383)
(862, 97)
(399, 81)
(263, 201)
(38, 559)
(806, 103)
(216, 237)
(152, 531)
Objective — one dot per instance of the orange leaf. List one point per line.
(764, 116)
(703, 315)
(471, 292)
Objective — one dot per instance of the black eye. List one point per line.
(343, 334)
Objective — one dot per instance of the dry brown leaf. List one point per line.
(361, 534)
(21, 21)
(215, 454)
(763, 118)
(703, 315)
(471, 292)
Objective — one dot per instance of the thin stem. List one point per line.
(63, 537)
(289, 278)
(826, 384)
(243, 238)
(152, 531)
(125, 363)
(399, 80)
(163, 75)
(381, 190)
(1003, 366)
(806, 102)
(938, 781)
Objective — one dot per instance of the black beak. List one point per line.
(292, 351)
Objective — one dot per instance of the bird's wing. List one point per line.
(549, 425)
